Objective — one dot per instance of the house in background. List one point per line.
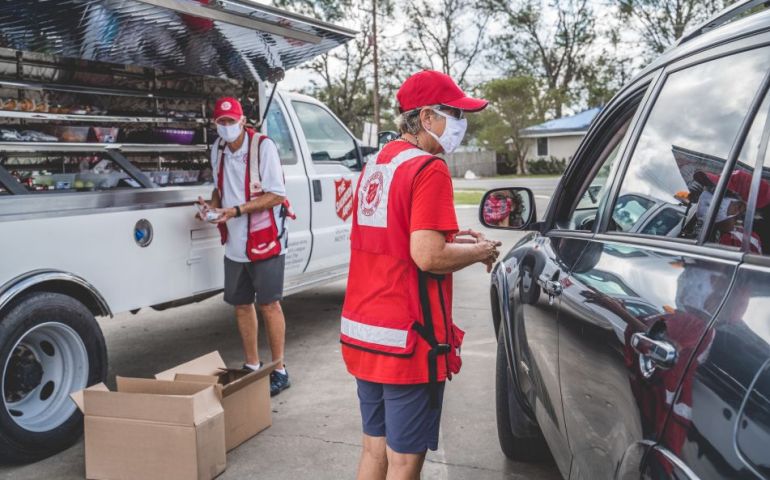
(558, 138)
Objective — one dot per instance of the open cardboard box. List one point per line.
(245, 395)
(153, 429)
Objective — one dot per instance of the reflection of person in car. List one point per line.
(504, 208)
(497, 209)
(727, 230)
(740, 184)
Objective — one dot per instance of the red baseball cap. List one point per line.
(740, 183)
(430, 87)
(228, 107)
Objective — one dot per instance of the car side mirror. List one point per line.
(368, 153)
(508, 208)
(385, 137)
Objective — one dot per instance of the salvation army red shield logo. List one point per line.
(372, 194)
(344, 198)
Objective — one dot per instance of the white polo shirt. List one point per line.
(234, 192)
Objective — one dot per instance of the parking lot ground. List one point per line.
(316, 424)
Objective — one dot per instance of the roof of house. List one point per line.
(573, 125)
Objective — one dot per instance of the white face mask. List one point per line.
(454, 131)
(229, 133)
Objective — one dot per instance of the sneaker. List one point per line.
(278, 382)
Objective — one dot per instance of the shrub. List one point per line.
(547, 166)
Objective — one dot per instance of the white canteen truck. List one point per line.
(105, 136)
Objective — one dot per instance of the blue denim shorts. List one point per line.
(401, 414)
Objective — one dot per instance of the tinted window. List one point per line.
(663, 223)
(584, 214)
(687, 137)
(542, 147)
(739, 187)
(326, 137)
(277, 129)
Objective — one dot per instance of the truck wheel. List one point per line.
(50, 346)
(524, 442)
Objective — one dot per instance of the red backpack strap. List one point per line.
(221, 166)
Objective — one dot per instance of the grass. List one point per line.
(468, 197)
(543, 175)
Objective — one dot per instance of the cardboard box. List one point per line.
(245, 396)
(153, 429)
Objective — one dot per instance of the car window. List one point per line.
(663, 222)
(682, 149)
(277, 129)
(326, 137)
(739, 186)
(583, 215)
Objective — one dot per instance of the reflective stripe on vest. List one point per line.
(374, 335)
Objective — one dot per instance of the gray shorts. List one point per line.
(263, 281)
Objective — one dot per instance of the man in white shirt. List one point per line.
(232, 206)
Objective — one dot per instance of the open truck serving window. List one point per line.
(105, 135)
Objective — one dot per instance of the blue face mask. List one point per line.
(454, 131)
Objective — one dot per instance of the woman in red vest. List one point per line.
(397, 334)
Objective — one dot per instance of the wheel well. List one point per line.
(78, 292)
(494, 298)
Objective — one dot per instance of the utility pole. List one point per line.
(376, 68)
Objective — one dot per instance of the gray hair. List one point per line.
(409, 122)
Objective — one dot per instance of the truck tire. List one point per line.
(525, 442)
(50, 346)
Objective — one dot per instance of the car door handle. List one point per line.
(653, 353)
(317, 192)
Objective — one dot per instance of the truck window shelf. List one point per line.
(96, 118)
(97, 147)
(88, 90)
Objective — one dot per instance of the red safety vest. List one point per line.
(263, 240)
(387, 310)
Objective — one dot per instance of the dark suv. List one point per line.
(633, 320)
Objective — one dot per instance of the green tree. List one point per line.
(343, 76)
(551, 43)
(514, 104)
(444, 35)
(661, 22)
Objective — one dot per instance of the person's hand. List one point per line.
(476, 237)
(203, 207)
(489, 253)
(225, 214)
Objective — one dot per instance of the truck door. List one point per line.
(331, 160)
(297, 187)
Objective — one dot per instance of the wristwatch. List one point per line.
(237, 211)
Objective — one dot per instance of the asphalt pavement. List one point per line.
(316, 430)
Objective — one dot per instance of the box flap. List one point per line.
(207, 405)
(188, 377)
(250, 378)
(77, 397)
(208, 364)
(147, 400)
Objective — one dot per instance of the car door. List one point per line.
(332, 160)
(721, 428)
(536, 275)
(639, 302)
